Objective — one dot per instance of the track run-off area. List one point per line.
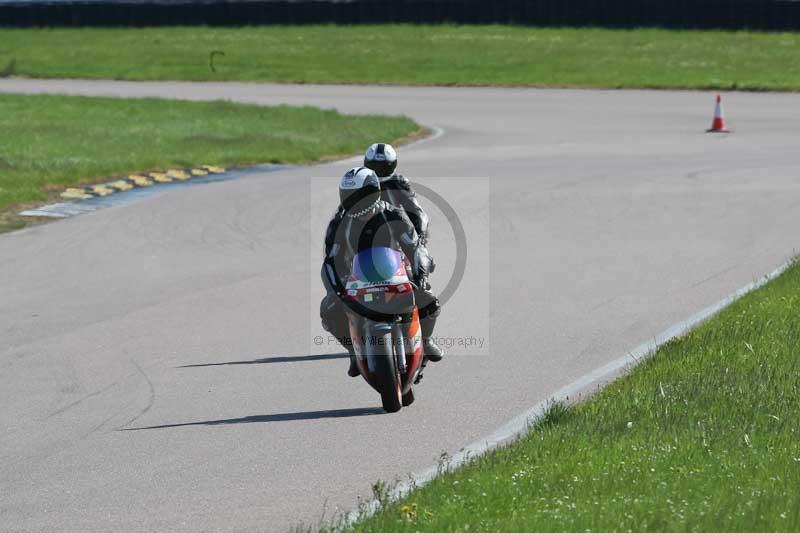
(158, 364)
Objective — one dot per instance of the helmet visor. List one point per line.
(383, 169)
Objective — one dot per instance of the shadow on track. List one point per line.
(280, 417)
(281, 359)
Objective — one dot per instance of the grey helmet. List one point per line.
(382, 158)
(359, 191)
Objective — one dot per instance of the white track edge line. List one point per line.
(520, 424)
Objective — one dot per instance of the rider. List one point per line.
(396, 191)
(364, 220)
(395, 188)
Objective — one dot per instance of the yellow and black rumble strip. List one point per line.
(138, 180)
(79, 200)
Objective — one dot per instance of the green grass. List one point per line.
(49, 142)
(704, 436)
(423, 55)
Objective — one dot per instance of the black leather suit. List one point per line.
(397, 191)
(387, 225)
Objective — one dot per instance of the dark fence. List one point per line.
(723, 14)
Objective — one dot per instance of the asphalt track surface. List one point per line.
(596, 219)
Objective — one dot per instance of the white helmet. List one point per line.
(382, 158)
(359, 191)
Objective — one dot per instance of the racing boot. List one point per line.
(429, 347)
(353, 371)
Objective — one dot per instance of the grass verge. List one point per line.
(49, 142)
(420, 55)
(703, 436)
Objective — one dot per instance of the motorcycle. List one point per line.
(384, 325)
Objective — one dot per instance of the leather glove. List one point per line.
(421, 262)
(422, 283)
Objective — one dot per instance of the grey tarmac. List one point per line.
(158, 369)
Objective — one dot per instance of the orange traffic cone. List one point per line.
(718, 124)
